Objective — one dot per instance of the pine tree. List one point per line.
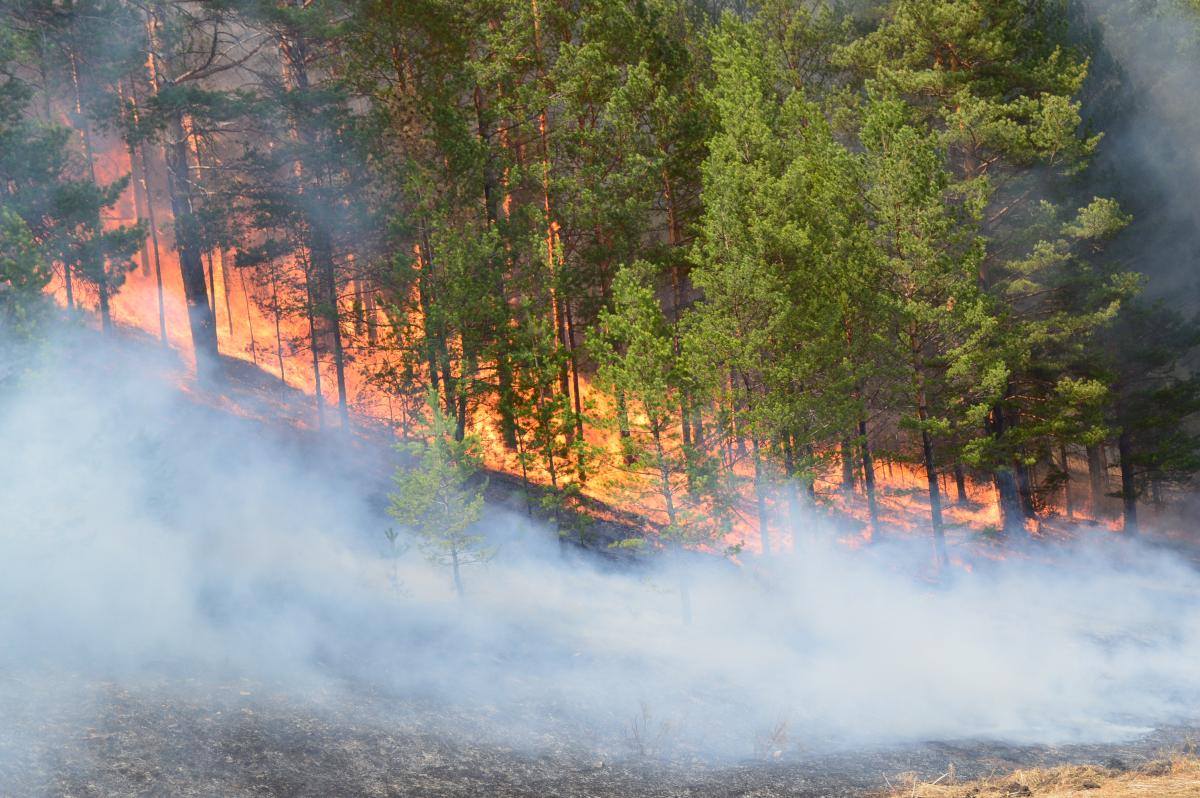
(926, 228)
(780, 250)
(24, 273)
(82, 49)
(187, 109)
(996, 83)
(639, 361)
(439, 497)
(1154, 397)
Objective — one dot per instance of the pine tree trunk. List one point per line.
(142, 176)
(1097, 480)
(1068, 497)
(321, 252)
(1010, 502)
(868, 466)
(212, 290)
(320, 237)
(369, 311)
(935, 496)
(810, 483)
(760, 495)
(1011, 513)
(793, 486)
(458, 584)
(1128, 484)
(85, 132)
(276, 313)
(316, 359)
(574, 377)
(623, 427)
(187, 244)
(492, 206)
(138, 184)
(960, 484)
(847, 467)
(1025, 490)
(552, 236)
(460, 417)
(225, 291)
(664, 477)
(249, 320)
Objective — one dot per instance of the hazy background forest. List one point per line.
(712, 263)
(876, 320)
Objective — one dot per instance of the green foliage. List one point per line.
(440, 497)
(763, 235)
(639, 362)
(24, 274)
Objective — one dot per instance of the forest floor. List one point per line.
(187, 739)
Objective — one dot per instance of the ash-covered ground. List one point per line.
(188, 738)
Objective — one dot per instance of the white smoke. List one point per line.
(144, 536)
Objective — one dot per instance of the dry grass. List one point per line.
(1165, 778)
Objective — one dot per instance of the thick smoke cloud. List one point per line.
(145, 536)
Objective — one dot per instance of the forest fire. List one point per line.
(621, 398)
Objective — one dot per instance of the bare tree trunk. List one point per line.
(225, 290)
(810, 483)
(1128, 485)
(960, 484)
(322, 255)
(847, 467)
(276, 312)
(1097, 480)
(623, 427)
(142, 178)
(1011, 512)
(1025, 490)
(138, 183)
(868, 466)
(320, 237)
(491, 204)
(793, 487)
(249, 321)
(552, 237)
(99, 268)
(760, 495)
(1068, 497)
(191, 266)
(316, 360)
(370, 312)
(212, 289)
(931, 477)
(574, 377)
(458, 584)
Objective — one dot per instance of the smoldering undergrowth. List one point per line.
(146, 536)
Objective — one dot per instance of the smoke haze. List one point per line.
(1143, 96)
(145, 536)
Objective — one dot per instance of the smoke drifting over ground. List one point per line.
(145, 537)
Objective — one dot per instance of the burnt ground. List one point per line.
(182, 738)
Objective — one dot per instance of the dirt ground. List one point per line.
(185, 738)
